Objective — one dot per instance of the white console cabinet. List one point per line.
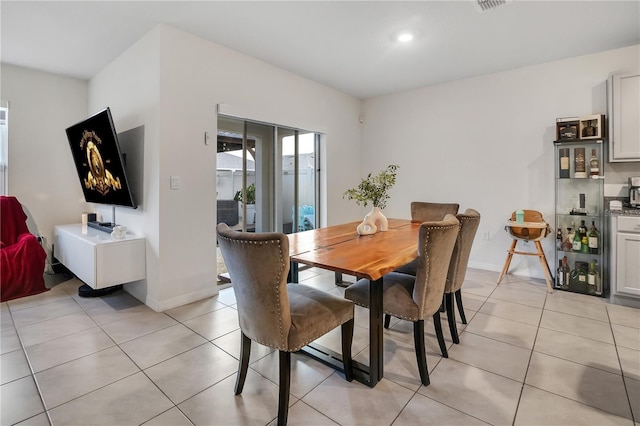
(97, 259)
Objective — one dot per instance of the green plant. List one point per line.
(374, 189)
(251, 195)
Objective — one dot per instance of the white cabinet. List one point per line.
(625, 256)
(97, 259)
(624, 117)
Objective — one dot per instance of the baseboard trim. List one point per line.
(484, 266)
(161, 306)
(514, 270)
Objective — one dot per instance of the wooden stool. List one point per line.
(534, 228)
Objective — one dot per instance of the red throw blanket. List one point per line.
(22, 258)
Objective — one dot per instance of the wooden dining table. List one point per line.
(340, 249)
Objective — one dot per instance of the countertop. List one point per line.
(627, 210)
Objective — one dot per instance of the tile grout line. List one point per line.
(486, 299)
(32, 376)
(48, 410)
(526, 373)
(624, 381)
(115, 344)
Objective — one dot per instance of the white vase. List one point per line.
(251, 214)
(373, 222)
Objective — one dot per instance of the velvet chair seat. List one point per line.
(314, 313)
(397, 292)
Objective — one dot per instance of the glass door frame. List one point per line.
(275, 175)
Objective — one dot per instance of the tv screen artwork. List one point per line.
(98, 160)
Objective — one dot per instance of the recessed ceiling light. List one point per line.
(405, 37)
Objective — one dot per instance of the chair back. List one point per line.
(469, 222)
(258, 264)
(435, 246)
(529, 233)
(432, 212)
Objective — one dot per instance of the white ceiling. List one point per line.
(345, 45)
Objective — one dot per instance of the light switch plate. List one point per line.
(175, 182)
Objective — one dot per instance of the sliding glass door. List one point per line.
(267, 176)
(299, 178)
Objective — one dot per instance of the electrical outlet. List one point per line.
(485, 235)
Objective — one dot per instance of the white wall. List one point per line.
(130, 86)
(487, 142)
(171, 82)
(204, 74)
(41, 171)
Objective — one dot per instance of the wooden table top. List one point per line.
(339, 248)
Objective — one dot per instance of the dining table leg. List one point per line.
(293, 273)
(376, 344)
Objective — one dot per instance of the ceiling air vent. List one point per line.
(484, 5)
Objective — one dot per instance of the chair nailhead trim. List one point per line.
(283, 341)
(428, 260)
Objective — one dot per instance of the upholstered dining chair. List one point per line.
(422, 211)
(415, 298)
(469, 221)
(274, 313)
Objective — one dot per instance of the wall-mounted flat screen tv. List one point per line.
(98, 159)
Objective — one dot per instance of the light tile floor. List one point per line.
(526, 357)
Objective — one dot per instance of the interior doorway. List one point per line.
(267, 178)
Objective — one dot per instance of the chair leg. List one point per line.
(451, 317)
(545, 266)
(438, 327)
(245, 351)
(463, 318)
(387, 320)
(507, 262)
(347, 338)
(284, 383)
(421, 355)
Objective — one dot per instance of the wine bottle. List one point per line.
(594, 239)
(591, 278)
(584, 247)
(562, 277)
(598, 279)
(559, 242)
(594, 164)
(568, 241)
(582, 276)
(564, 163)
(579, 166)
(589, 129)
(584, 239)
(559, 276)
(577, 242)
